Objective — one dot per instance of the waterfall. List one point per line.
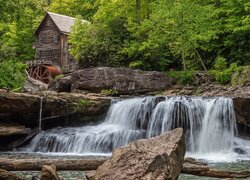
(209, 125)
(40, 115)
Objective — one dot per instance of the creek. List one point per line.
(209, 125)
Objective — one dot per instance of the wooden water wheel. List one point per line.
(43, 73)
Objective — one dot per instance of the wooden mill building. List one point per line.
(52, 48)
(52, 41)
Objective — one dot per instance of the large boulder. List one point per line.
(158, 158)
(122, 80)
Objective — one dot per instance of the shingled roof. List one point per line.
(62, 22)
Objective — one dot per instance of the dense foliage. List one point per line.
(150, 35)
(164, 34)
(12, 74)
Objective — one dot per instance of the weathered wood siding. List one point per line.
(48, 43)
(68, 61)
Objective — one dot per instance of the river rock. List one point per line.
(49, 173)
(6, 175)
(33, 85)
(158, 158)
(121, 80)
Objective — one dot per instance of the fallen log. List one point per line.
(193, 167)
(61, 164)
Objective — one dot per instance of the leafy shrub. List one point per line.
(109, 92)
(220, 63)
(136, 64)
(12, 74)
(222, 77)
(182, 77)
(240, 77)
(225, 76)
(187, 78)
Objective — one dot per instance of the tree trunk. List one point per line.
(138, 11)
(184, 62)
(202, 63)
(148, 8)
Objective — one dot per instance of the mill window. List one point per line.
(55, 39)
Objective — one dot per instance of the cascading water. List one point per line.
(209, 125)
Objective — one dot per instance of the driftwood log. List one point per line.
(190, 166)
(61, 164)
(193, 167)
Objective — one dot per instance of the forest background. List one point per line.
(211, 36)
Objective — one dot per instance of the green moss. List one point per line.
(136, 64)
(83, 103)
(60, 76)
(109, 92)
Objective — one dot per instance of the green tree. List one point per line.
(12, 74)
(18, 22)
(232, 30)
(84, 8)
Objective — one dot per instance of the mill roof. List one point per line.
(63, 23)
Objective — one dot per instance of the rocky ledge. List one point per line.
(25, 108)
(10, 130)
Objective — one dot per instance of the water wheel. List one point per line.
(43, 73)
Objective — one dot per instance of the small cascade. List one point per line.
(218, 127)
(40, 115)
(209, 125)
